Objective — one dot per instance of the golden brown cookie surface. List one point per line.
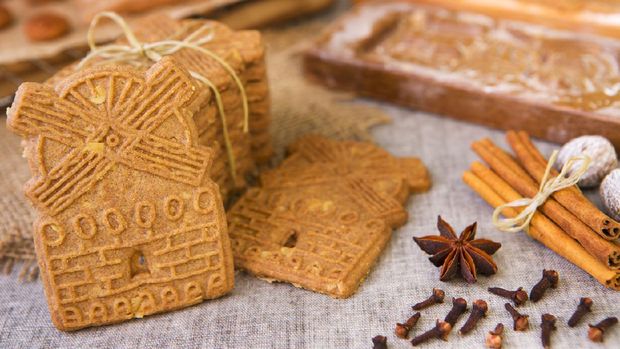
(322, 218)
(396, 177)
(323, 238)
(130, 224)
(46, 26)
(317, 227)
(244, 52)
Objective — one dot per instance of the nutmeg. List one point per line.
(610, 193)
(599, 149)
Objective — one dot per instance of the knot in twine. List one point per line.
(135, 51)
(548, 186)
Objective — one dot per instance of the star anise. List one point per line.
(462, 254)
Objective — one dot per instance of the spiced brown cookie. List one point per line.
(130, 223)
(244, 52)
(323, 216)
(46, 26)
(396, 177)
(320, 236)
(321, 219)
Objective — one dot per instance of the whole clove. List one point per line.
(596, 332)
(441, 331)
(402, 330)
(379, 342)
(459, 307)
(585, 306)
(547, 326)
(437, 297)
(478, 311)
(518, 296)
(494, 338)
(521, 321)
(549, 279)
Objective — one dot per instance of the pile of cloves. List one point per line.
(521, 321)
(479, 309)
(549, 280)
(442, 328)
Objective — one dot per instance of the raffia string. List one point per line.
(548, 186)
(135, 51)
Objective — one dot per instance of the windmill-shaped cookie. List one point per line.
(130, 223)
(241, 51)
(396, 177)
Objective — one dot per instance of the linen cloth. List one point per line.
(262, 315)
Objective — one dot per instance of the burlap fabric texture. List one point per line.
(298, 107)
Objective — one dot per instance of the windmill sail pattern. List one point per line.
(130, 223)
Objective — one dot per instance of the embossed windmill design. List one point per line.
(130, 223)
(107, 127)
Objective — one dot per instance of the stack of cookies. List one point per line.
(244, 52)
(322, 218)
(128, 161)
(130, 173)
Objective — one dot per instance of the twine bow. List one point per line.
(135, 51)
(548, 186)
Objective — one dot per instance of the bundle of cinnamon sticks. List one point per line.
(567, 223)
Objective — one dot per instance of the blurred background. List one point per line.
(37, 37)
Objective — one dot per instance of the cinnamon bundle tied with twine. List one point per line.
(559, 221)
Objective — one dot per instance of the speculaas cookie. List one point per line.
(319, 232)
(244, 52)
(396, 177)
(130, 223)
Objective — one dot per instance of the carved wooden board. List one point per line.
(554, 84)
(589, 16)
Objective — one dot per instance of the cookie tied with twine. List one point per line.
(568, 177)
(135, 52)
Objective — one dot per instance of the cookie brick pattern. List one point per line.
(130, 223)
(319, 232)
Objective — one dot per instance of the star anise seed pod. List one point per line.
(463, 254)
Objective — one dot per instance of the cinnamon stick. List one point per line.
(571, 198)
(510, 171)
(495, 192)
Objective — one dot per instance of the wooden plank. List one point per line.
(364, 60)
(594, 16)
(238, 14)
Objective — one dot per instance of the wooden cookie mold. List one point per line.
(555, 84)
